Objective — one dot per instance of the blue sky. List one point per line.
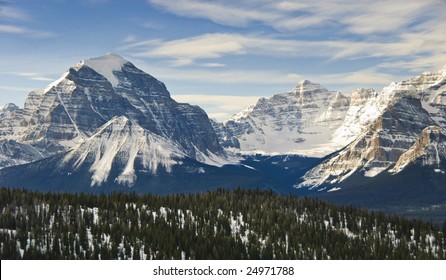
(223, 55)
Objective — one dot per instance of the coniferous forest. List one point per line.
(239, 224)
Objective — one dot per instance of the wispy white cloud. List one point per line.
(6, 28)
(398, 33)
(418, 50)
(14, 29)
(33, 76)
(227, 76)
(95, 2)
(15, 89)
(9, 13)
(417, 64)
(355, 16)
(386, 17)
(129, 39)
(233, 13)
(221, 107)
(151, 25)
(217, 45)
(186, 51)
(14, 21)
(213, 65)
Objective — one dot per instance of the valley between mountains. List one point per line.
(107, 126)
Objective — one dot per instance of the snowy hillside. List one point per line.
(301, 121)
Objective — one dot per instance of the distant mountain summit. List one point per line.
(7, 108)
(300, 121)
(104, 110)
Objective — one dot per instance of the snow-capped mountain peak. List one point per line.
(92, 93)
(307, 91)
(106, 66)
(301, 121)
(305, 85)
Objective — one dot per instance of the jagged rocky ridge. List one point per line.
(428, 150)
(122, 140)
(378, 147)
(402, 111)
(103, 110)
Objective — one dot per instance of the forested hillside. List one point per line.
(240, 224)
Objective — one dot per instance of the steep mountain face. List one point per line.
(121, 142)
(430, 87)
(428, 150)
(121, 150)
(14, 153)
(365, 106)
(11, 151)
(300, 121)
(93, 92)
(377, 148)
(389, 124)
(415, 186)
(10, 116)
(110, 120)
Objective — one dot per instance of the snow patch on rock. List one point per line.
(106, 66)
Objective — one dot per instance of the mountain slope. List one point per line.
(428, 150)
(7, 108)
(120, 141)
(376, 149)
(93, 92)
(415, 186)
(105, 123)
(392, 122)
(300, 121)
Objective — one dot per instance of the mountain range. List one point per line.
(106, 125)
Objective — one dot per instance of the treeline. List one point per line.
(240, 224)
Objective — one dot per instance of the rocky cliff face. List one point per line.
(7, 108)
(383, 127)
(70, 110)
(11, 151)
(377, 148)
(428, 150)
(120, 142)
(365, 106)
(15, 153)
(430, 88)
